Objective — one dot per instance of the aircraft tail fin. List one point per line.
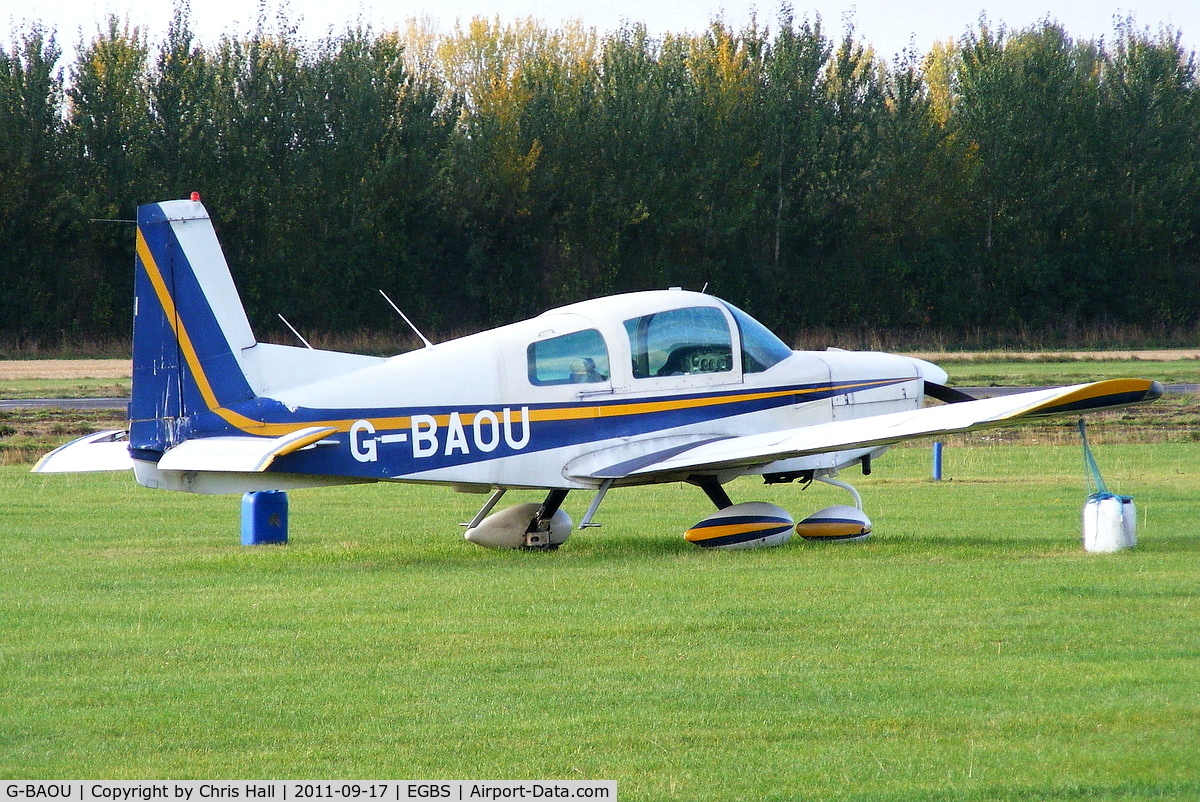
(188, 324)
(193, 348)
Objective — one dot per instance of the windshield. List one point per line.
(760, 348)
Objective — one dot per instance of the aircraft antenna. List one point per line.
(416, 331)
(293, 328)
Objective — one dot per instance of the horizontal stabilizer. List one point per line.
(102, 451)
(238, 454)
(759, 449)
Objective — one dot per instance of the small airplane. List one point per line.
(631, 389)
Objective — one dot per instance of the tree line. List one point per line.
(1009, 179)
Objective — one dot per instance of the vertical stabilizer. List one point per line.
(188, 325)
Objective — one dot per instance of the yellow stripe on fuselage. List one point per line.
(658, 405)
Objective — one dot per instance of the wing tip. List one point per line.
(1107, 394)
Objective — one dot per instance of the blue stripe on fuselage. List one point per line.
(390, 443)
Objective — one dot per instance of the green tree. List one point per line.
(1150, 163)
(108, 131)
(840, 279)
(1028, 106)
(1016, 179)
(914, 210)
(264, 126)
(32, 184)
(374, 174)
(183, 133)
(792, 125)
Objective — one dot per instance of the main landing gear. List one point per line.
(753, 524)
(523, 526)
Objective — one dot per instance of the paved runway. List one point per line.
(65, 403)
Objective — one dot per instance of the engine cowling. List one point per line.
(509, 529)
(750, 525)
(840, 522)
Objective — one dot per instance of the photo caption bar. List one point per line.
(294, 790)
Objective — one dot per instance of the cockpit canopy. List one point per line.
(672, 340)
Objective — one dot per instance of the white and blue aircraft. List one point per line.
(645, 387)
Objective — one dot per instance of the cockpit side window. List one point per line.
(680, 342)
(577, 358)
(761, 349)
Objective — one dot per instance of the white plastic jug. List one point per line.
(1109, 523)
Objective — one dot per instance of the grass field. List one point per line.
(970, 650)
(971, 372)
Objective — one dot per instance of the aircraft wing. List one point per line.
(880, 430)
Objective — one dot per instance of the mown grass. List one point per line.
(1174, 418)
(65, 388)
(970, 650)
(969, 372)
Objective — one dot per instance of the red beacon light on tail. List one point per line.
(195, 197)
